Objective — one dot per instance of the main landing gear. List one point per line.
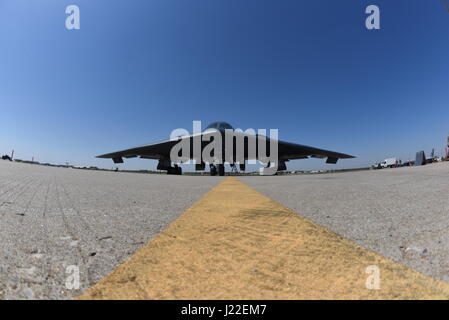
(217, 169)
(174, 170)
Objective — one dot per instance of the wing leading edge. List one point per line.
(151, 151)
(292, 151)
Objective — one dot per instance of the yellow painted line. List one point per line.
(235, 243)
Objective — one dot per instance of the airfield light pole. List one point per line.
(12, 154)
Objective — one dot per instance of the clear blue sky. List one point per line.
(138, 69)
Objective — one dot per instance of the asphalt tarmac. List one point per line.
(401, 213)
(235, 243)
(54, 219)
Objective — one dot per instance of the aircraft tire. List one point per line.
(213, 170)
(221, 169)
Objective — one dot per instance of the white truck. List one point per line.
(390, 163)
(387, 163)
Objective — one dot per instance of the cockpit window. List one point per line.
(219, 126)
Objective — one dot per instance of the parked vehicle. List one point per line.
(388, 163)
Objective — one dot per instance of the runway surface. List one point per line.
(53, 218)
(235, 243)
(402, 213)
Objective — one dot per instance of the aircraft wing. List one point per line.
(150, 151)
(291, 151)
(286, 151)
